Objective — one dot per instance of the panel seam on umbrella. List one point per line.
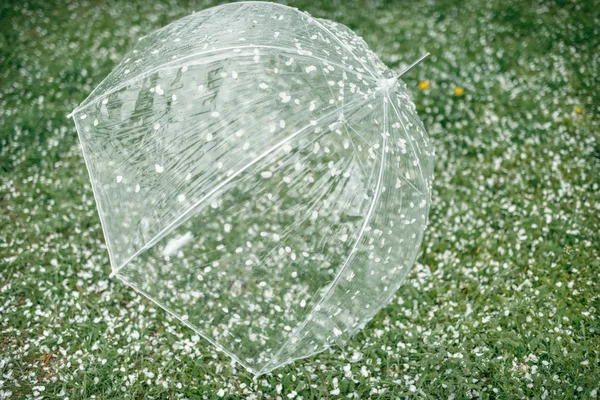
(410, 142)
(174, 62)
(389, 166)
(96, 194)
(344, 45)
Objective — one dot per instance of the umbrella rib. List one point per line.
(223, 49)
(356, 154)
(356, 243)
(390, 166)
(344, 45)
(409, 140)
(185, 215)
(186, 323)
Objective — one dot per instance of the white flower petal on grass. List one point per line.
(285, 98)
(176, 243)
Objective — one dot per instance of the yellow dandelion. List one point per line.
(578, 110)
(423, 85)
(458, 91)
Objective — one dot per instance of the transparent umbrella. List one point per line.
(260, 175)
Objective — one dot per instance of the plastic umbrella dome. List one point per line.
(261, 175)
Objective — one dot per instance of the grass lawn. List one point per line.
(504, 301)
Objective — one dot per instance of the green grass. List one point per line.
(504, 300)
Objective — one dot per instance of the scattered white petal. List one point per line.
(285, 97)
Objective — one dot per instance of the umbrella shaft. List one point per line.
(411, 66)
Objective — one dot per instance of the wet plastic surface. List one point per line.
(261, 175)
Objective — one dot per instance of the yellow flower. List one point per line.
(578, 110)
(458, 91)
(423, 85)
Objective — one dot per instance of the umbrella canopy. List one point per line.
(261, 175)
